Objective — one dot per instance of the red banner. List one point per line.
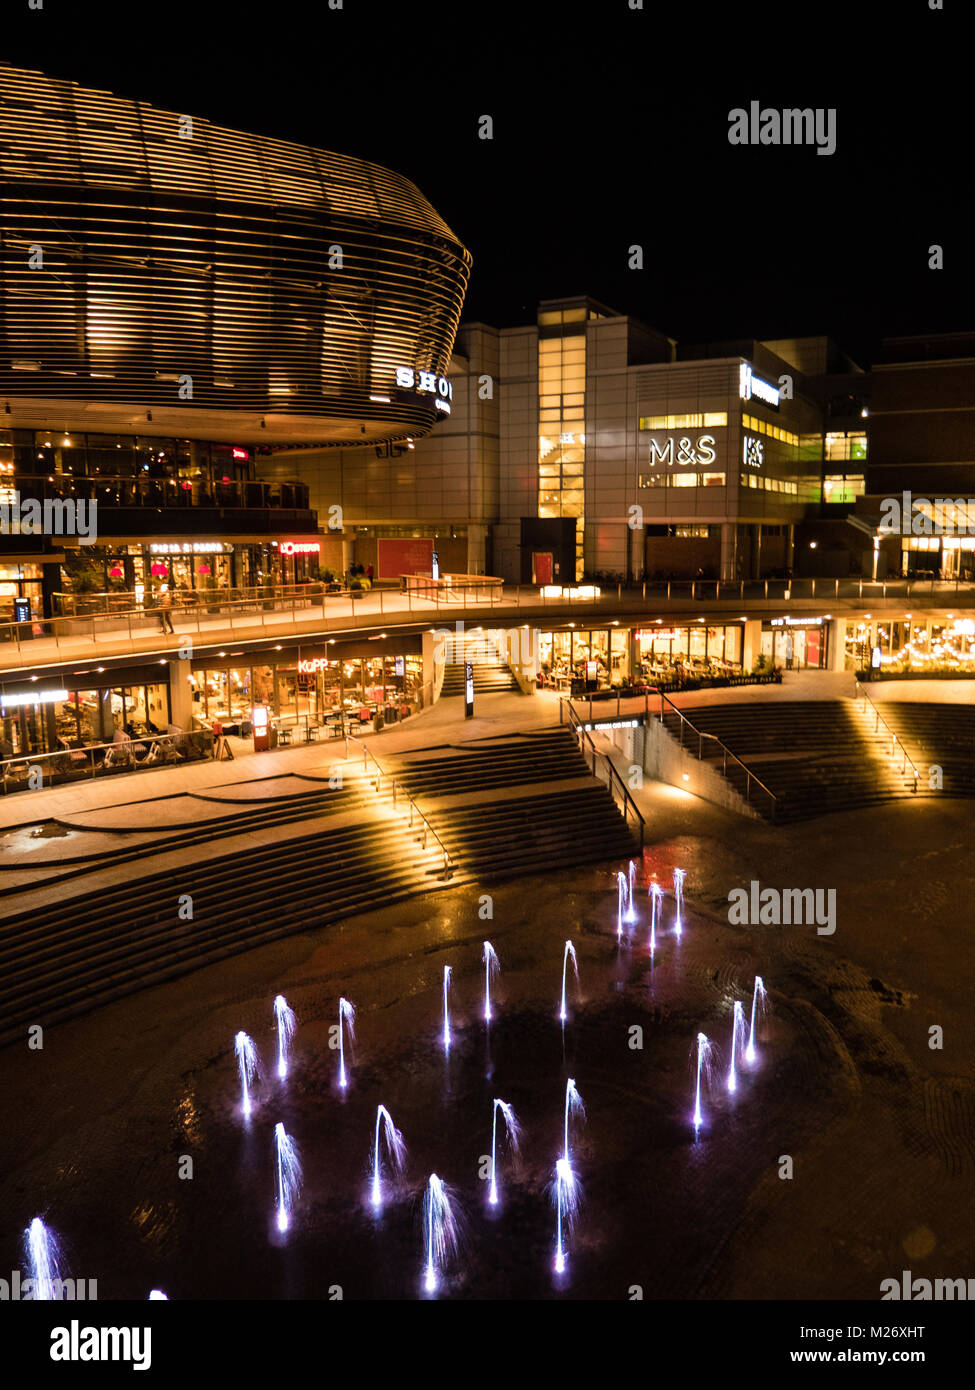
(407, 555)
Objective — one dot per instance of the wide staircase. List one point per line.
(100, 927)
(491, 676)
(934, 736)
(522, 804)
(813, 756)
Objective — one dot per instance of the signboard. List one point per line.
(33, 697)
(435, 564)
(468, 690)
(753, 451)
(299, 547)
(750, 385)
(875, 659)
(262, 740)
(426, 383)
(400, 665)
(683, 450)
(796, 622)
(397, 555)
(21, 610)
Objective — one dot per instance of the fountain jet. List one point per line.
(346, 1021)
(630, 909)
(513, 1133)
(43, 1255)
(573, 1106)
(288, 1175)
(248, 1067)
(621, 904)
(286, 1022)
(491, 967)
(656, 896)
(565, 1195)
(446, 1008)
(737, 1039)
(570, 950)
(395, 1149)
(759, 997)
(679, 876)
(705, 1051)
(439, 1230)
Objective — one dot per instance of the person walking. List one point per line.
(166, 610)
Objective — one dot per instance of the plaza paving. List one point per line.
(880, 1127)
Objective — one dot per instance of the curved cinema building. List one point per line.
(234, 287)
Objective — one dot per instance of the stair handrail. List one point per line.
(727, 753)
(613, 779)
(879, 720)
(448, 863)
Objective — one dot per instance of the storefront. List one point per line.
(618, 655)
(20, 581)
(84, 709)
(796, 644)
(911, 646)
(309, 684)
(190, 570)
(693, 649)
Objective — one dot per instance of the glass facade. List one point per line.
(308, 689)
(562, 424)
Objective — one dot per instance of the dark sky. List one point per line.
(610, 129)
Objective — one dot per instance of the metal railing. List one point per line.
(726, 752)
(381, 776)
(618, 789)
(344, 608)
(19, 772)
(895, 741)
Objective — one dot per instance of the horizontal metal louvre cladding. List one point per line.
(208, 257)
(694, 382)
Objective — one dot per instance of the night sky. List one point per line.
(610, 129)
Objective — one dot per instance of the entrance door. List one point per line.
(542, 566)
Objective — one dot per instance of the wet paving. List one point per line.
(881, 1144)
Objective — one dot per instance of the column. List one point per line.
(180, 694)
(729, 552)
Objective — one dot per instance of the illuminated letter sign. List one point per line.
(687, 453)
(299, 547)
(428, 383)
(753, 451)
(750, 385)
(312, 667)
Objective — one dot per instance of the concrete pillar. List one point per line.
(729, 552)
(751, 644)
(476, 548)
(180, 694)
(757, 553)
(837, 644)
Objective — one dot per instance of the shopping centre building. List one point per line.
(183, 309)
(243, 360)
(588, 443)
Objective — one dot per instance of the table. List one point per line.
(284, 736)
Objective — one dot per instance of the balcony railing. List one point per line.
(111, 491)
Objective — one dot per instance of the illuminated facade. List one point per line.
(236, 287)
(183, 310)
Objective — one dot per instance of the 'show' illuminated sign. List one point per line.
(409, 380)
